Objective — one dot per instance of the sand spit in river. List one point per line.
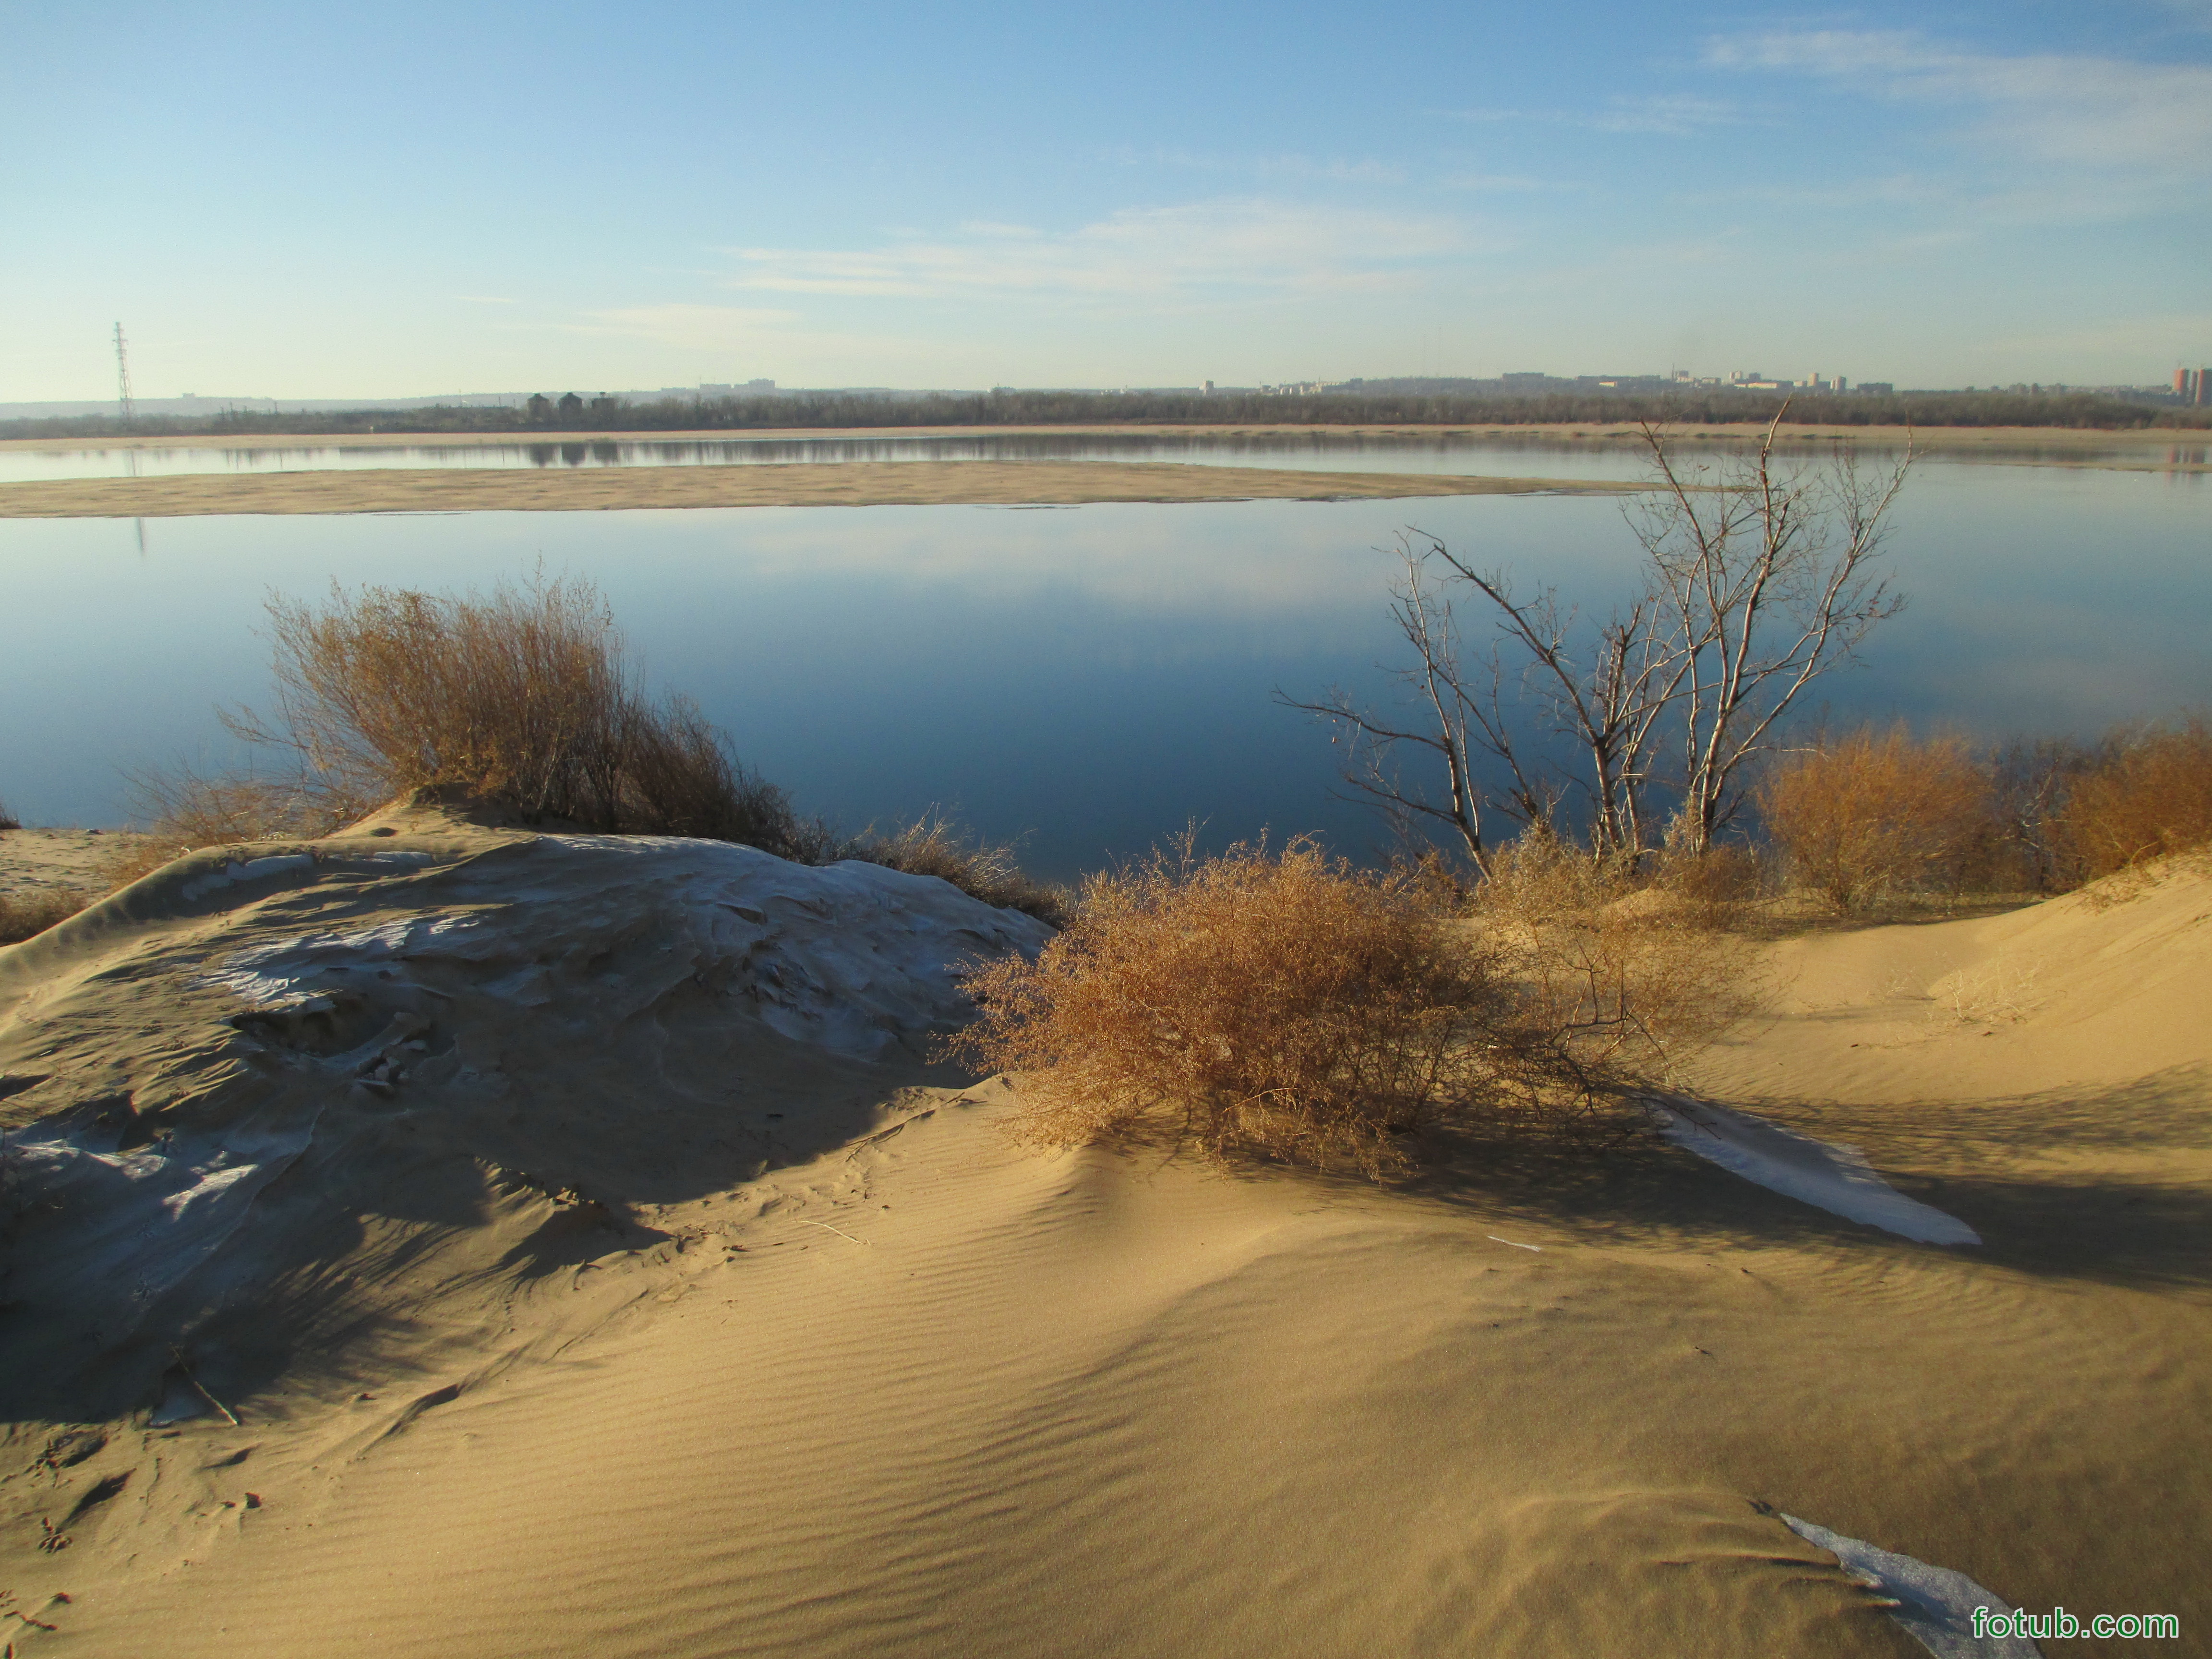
(2087, 446)
(848, 483)
(636, 1312)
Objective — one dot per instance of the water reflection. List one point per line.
(1316, 450)
(1491, 454)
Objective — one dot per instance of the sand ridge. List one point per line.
(907, 1386)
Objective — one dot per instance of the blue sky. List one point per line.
(399, 199)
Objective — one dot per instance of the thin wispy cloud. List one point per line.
(2078, 109)
(1672, 115)
(1510, 183)
(1304, 168)
(1245, 247)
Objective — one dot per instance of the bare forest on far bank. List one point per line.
(1428, 403)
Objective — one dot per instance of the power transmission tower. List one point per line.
(122, 372)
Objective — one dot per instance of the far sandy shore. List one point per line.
(854, 483)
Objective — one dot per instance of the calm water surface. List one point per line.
(1090, 676)
(1321, 451)
(1485, 455)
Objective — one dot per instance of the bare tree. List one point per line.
(1753, 585)
(1767, 581)
(1457, 715)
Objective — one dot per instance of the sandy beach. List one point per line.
(857, 483)
(589, 1316)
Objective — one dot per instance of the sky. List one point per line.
(406, 199)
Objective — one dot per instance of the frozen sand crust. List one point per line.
(852, 957)
(555, 940)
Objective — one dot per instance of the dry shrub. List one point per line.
(1273, 1004)
(677, 776)
(184, 809)
(8, 820)
(1282, 1005)
(24, 914)
(1617, 983)
(1710, 888)
(2150, 795)
(2031, 781)
(1868, 813)
(522, 697)
(934, 846)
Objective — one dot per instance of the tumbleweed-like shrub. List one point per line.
(1874, 812)
(1281, 1005)
(2148, 795)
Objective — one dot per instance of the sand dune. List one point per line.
(676, 1331)
(849, 484)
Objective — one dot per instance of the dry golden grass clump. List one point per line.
(932, 845)
(1286, 1005)
(2149, 795)
(1872, 813)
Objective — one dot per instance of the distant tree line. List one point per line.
(1702, 405)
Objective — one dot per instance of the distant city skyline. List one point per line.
(317, 205)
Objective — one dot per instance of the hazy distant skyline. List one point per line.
(411, 199)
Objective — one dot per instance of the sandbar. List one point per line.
(853, 484)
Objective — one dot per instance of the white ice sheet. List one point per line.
(1828, 1176)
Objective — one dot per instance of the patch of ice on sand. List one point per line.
(1828, 1176)
(850, 956)
(285, 972)
(1936, 1604)
(119, 1229)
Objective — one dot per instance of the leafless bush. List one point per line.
(675, 776)
(8, 820)
(522, 697)
(1286, 1005)
(1619, 980)
(1872, 813)
(932, 845)
(1709, 888)
(23, 915)
(2149, 795)
(184, 809)
(2030, 782)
